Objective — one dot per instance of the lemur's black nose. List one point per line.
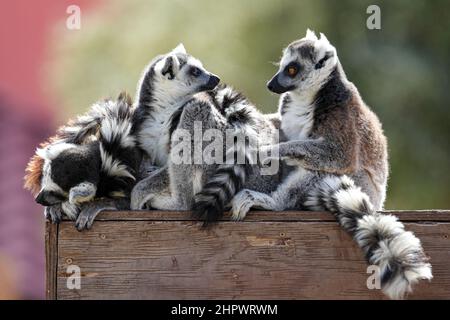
(274, 86)
(212, 82)
(41, 199)
(49, 198)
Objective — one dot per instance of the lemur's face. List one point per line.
(179, 74)
(70, 173)
(305, 65)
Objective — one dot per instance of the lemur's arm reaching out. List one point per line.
(326, 155)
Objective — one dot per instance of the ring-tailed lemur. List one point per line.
(93, 157)
(169, 81)
(339, 153)
(170, 96)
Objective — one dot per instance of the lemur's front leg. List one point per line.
(90, 210)
(55, 212)
(247, 199)
(317, 154)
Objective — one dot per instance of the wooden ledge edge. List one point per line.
(262, 216)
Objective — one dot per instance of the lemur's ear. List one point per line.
(82, 192)
(324, 39)
(170, 67)
(310, 35)
(179, 49)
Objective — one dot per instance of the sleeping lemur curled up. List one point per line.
(89, 165)
(338, 152)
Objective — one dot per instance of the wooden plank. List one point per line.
(148, 259)
(51, 259)
(256, 216)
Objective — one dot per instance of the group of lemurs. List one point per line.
(331, 148)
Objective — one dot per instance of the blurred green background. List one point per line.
(402, 70)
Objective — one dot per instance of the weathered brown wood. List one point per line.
(288, 255)
(51, 259)
(405, 215)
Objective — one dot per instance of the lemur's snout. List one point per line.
(212, 82)
(47, 198)
(41, 199)
(270, 85)
(274, 85)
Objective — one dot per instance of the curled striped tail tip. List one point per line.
(207, 212)
(401, 283)
(397, 252)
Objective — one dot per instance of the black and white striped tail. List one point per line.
(228, 179)
(78, 130)
(119, 156)
(386, 244)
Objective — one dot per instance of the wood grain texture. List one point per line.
(51, 259)
(405, 215)
(289, 255)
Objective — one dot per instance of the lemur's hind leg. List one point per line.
(145, 190)
(289, 195)
(162, 192)
(185, 180)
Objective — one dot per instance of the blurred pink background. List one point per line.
(25, 120)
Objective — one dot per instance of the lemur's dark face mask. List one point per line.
(49, 198)
(277, 85)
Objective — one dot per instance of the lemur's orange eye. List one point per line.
(291, 70)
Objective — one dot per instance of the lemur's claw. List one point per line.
(241, 205)
(82, 222)
(87, 215)
(53, 213)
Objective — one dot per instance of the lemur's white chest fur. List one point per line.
(154, 135)
(298, 118)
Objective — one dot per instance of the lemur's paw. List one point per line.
(70, 210)
(87, 215)
(53, 213)
(84, 221)
(241, 204)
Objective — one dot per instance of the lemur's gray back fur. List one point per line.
(245, 120)
(338, 152)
